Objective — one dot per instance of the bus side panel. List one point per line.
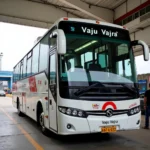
(41, 96)
(14, 94)
(31, 91)
(14, 99)
(52, 112)
(22, 95)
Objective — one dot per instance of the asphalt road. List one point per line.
(22, 133)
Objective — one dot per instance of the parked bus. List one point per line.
(80, 77)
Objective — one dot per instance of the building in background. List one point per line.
(1, 82)
(142, 86)
(143, 80)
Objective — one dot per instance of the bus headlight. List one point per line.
(80, 113)
(69, 111)
(134, 111)
(75, 112)
(72, 112)
(63, 110)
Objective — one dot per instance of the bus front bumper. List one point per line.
(68, 125)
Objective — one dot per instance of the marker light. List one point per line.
(46, 98)
(97, 22)
(65, 19)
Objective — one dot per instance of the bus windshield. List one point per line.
(97, 64)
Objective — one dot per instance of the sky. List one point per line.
(17, 40)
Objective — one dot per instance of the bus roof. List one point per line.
(91, 21)
(75, 20)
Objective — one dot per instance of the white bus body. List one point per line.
(68, 102)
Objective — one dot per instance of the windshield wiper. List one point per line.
(79, 92)
(108, 89)
(129, 88)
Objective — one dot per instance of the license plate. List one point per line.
(108, 129)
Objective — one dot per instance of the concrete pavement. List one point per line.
(22, 133)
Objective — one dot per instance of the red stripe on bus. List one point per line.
(132, 11)
(14, 86)
(109, 103)
(32, 84)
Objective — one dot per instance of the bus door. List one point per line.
(52, 89)
(24, 102)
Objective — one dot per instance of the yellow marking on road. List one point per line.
(29, 138)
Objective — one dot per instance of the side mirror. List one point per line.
(61, 41)
(144, 46)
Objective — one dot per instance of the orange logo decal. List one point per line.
(95, 106)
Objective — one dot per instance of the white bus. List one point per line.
(80, 77)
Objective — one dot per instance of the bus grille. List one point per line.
(103, 113)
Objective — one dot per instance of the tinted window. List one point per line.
(125, 21)
(14, 75)
(24, 67)
(112, 56)
(142, 12)
(44, 47)
(130, 18)
(122, 49)
(21, 69)
(35, 60)
(86, 59)
(29, 64)
(120, 23)
(18, 71)
(136, 15)
(147, 8)
(103, 59)
(52, 69)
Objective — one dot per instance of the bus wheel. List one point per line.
(41, 122)
(18, 107)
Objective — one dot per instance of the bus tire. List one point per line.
(18, 108)
(41, 122)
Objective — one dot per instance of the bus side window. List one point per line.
(35, 60)
(53, 75)
(25, 67)
(119, 68)
(21, 69)
(103, 60)
(44, 49)
(128, 71)
(18, 71)
(14, 75)
(29, 56)
(71, 64)
(85, 58)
